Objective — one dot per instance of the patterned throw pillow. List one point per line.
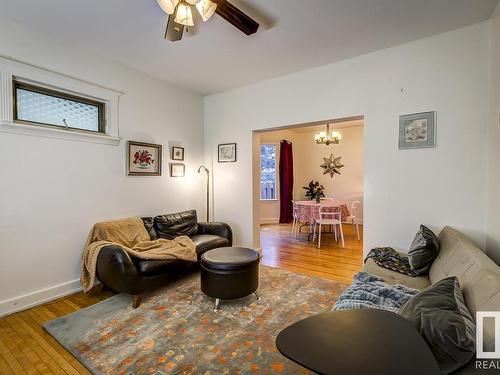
(423, 250)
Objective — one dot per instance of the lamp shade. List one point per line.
(184, 16)
(206, 8)
(168, 6)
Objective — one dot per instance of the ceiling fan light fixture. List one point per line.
(192, 2)
(168, 6)
(184, 16)
(206, 8)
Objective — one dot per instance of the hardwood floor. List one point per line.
(281, 249)
(25, 347)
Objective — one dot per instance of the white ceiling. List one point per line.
(294, 34)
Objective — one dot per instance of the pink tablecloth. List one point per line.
(308, 211)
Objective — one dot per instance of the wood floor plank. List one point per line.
(64, 366)
(281, 249)
(4, 367)
(6, 352)
(25, 345)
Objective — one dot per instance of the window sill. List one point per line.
(42, 131)
(269, 200)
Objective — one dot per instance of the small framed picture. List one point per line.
(417, 130)
(227, 153)
(143, 159)
(178, 153)
(177, 170)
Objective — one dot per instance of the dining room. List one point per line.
(308, 201)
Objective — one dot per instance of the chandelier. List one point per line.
(183, 9)
(326, 138)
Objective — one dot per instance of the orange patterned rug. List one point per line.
(175, 330)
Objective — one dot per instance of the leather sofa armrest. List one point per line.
(116, 270)
(219, 229)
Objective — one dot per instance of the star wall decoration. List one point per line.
(331, 165)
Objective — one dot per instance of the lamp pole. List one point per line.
(208, 189)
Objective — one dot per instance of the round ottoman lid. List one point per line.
(229, 258)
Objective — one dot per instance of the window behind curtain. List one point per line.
(268, 171)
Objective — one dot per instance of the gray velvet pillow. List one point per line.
(439, 314)
(423, 250)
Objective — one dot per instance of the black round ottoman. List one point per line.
(229, 272)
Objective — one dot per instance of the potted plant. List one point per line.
(314, 191)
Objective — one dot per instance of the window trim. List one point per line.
(276, 169)
(101, 106)
(13, 69)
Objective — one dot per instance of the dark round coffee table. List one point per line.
(229, 272)
(357, 342)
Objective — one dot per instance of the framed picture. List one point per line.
(177, 170)
(144, 159)
(178, 153)
(227, 153)
(417, 130)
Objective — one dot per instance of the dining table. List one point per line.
(307, 211)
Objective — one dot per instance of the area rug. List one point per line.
(175, 330)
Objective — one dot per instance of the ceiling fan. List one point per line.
(181, 15)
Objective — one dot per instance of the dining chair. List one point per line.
(295, 216)
(329, 215)
(355, 217)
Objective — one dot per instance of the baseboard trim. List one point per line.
(12, 305)
(270, 220)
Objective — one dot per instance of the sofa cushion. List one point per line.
(151, 267)
(440, 316)
(170, 226)
(393, 277)
(205, 242)
(423, 250)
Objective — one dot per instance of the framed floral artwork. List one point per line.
(144, 159)
(178, 153)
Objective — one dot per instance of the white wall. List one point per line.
(440, 186)
(53, 191)
(493, 212)
(310, 157)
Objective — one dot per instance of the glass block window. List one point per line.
(268, 171)
(38, 105)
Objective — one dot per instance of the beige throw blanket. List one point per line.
(131, 235)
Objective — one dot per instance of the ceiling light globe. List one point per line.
(206, 8)
(184, 16)
(168, 6)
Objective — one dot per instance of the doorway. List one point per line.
(290, 246)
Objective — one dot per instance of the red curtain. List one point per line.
(286, 181)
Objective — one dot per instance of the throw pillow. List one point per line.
(439, 314)
(423, 250)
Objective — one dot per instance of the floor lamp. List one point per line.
(208, 189)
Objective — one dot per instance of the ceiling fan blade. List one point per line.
(236, 17)
(174, 30)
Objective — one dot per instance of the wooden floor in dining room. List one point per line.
(281, 249)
